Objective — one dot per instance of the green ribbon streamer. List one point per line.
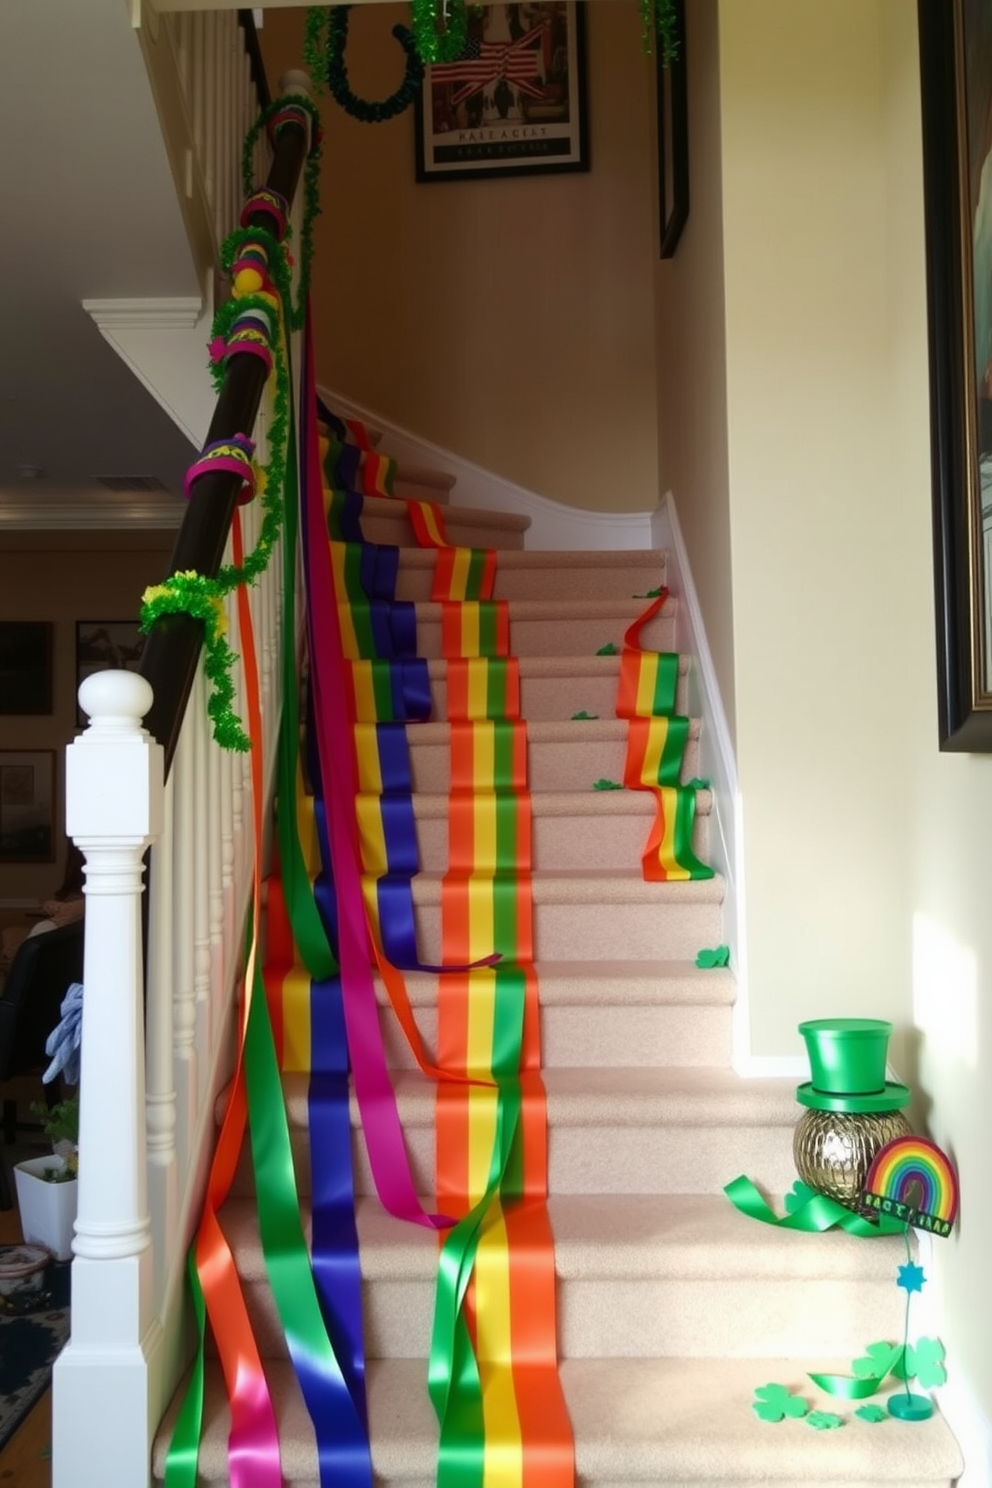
(184, 1448)
(848, 1387)
(308, 928)
(814, 1216)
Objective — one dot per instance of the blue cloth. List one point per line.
(64, 1042)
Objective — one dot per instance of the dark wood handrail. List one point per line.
(172, 650)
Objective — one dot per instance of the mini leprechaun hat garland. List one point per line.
(894, 1183)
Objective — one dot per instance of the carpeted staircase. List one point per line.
(672, 1307)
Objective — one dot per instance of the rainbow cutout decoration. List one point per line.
(910, 1164)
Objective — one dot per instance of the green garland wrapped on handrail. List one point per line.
(262, 295)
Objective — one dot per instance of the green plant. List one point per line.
(60, 1123)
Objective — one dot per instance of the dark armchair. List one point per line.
(39, 977)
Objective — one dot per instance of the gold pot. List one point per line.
(833, 1150)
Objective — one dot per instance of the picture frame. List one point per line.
(673, 141)
(26, 666)
(514, 104)
(27, 805)
(106, 645)
(956, 95)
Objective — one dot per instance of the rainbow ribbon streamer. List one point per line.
(656, 740)
(493, 1366)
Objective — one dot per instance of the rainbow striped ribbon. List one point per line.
(656, 740)
(493, 1372)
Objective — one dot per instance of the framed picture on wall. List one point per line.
(956, 70)
(27, 805)
(514, 102)
(673, 141)
(106, 645)
(26, 666)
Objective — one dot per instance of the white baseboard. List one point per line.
(552, 523)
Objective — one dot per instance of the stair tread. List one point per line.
(699, 1237)
(560, 609)
(556, 666)
(589, 802)
(597, 983)
(620, 1096)
(543, 731)
(636, 1421)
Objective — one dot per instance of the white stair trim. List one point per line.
(553, 524)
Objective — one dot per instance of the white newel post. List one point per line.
(114, 789)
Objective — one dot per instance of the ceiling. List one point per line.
(89, 212)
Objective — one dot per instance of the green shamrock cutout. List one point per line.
(926, 1362)
(607, 785)
(608, 650)
(650, 594)
(698, 784)
(775, 1402)
(718, 956)
(798, 1197)
(870, 1413)
(584, 714)
(824, 1420)
(879, 1360)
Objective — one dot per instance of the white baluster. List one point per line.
(184, 986)
(114, 809)
(160, 1095)
(198, 721)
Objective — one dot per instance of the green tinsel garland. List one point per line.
(434, 45)
(311, 190)
(330, 67)
(658, 18)
(190, 593)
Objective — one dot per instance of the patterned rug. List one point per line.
(29, 1344)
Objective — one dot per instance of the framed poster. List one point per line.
(956, 77)
(27, 805)
(106, 645)
(26, 666)
(673, 141)
(514, 103)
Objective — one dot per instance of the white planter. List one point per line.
(48, 1210)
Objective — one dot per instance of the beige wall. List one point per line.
(866, 849)
(65, 577)
(508, 320)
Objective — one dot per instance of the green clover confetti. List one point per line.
(584, 714)
(775, 1402)
(873, 1414)
(607, 785)
(650, 593)
(608, 650)
(824, 1420)
(698, 784)
(717, 956)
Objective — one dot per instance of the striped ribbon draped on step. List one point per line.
(656, 740)
(493, 1368)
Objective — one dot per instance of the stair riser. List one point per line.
(551, 766)
(575, 635)
(606, 580)
(637, 1317)
(384, 521)
(591, 1037)
(613, 931)
(566, 842)
(554, 699)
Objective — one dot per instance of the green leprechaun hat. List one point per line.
(847, 1059)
